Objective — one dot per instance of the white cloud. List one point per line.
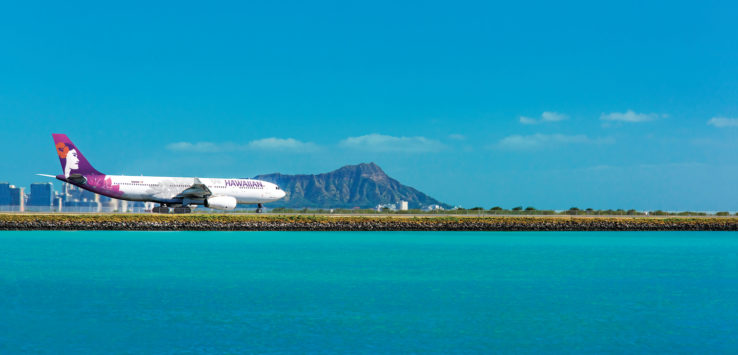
(282, 144)
(382, 143)
(536, 141)
(273, 144)
(630, 116)
(723, 122)
(457, 137)
(527, 120)
(546, 116)
(553, 117)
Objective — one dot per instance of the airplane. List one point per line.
(176, 192)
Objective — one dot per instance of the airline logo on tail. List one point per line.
(72, 160)
(78, 171)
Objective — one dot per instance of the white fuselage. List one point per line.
(156, 188)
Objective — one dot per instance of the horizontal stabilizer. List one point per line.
(47, 175)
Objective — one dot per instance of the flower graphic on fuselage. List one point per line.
(105, 186)
(62, 150)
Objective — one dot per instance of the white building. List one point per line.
(403, 205)
(391, 207)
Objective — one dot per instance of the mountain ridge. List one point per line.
(364, 185)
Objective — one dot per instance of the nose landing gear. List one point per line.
(260, 208)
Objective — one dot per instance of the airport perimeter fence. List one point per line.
(70, 209)
(238, 210)
(103, 209)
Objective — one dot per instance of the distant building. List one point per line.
(403, 205)
(433, 208)
(4, 193)
(77, 194)
(389, 206)
(109, 203)
(18, 197)
(132, 206)
(82, 206)
(58, 202)
(42, 194)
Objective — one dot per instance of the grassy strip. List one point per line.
(327, 218)
(323, 222)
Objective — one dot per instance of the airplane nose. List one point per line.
(278, 193)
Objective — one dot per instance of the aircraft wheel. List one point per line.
(182, 210)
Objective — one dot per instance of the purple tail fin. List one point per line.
(72, 160)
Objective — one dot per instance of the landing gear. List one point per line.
(160, 209)
(260, 208)
(165, 209)
(182, 210)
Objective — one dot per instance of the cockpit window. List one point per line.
(277, 187)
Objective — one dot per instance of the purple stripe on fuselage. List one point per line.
(99, 184)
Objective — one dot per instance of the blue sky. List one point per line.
(619, 104)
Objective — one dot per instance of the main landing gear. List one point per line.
(260, 208)
(165, 209)
(160, 209)
(183, 209)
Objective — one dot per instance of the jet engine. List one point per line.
(221, 202)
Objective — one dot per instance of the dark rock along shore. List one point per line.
(354, 223)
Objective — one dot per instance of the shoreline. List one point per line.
(225, 222)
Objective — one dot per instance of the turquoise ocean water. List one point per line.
(376, 292)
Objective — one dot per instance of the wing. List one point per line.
(197, 190)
